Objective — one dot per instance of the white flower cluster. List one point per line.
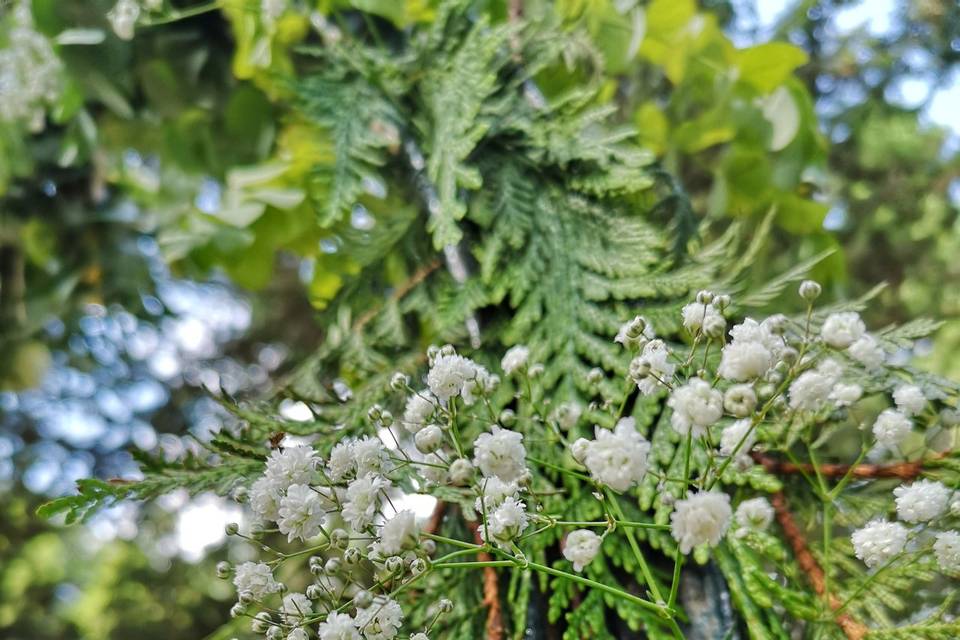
(922, 502)
(618, 458)
(30, 71)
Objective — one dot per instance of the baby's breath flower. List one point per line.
(302, 512)
(947, 550)
(500, 453)
(735, 433)
(418, 411)
(755, 513)
(338, 626)
(581, 547)
(695, 315)
(296, 606)
(921, 501)
(702, 518)
(844, 395)
(255, 578)
(867, 351)
(696, 406)
(891, 428)
(617, 458)
(652, 368)
(515, 359)
(840, 330)
(740, 400)
(910, 399)
(398, 533)
(506, 522)
(811, 390)
(448, 375)
(362, 500)
(879, 542)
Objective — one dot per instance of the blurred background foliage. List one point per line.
(168, 231)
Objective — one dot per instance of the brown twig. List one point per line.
(902, 470)
(436, 518)
(399, 292)
(491, 592)
(853, 629)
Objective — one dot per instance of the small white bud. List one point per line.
(332, 566)
(399, 381)
(445, 605)
(352, 556)
(224, 569)
(595, 375)
(810, 290)
(374, 413)
(232, 528)
(461, 471)
(428, 439)
(704, 297)
(340, 538)
(508, 418)
(363, 599)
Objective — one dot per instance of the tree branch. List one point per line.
(853, 629)
(901, 470)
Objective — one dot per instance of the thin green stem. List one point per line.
(632, 539)
(452, 541)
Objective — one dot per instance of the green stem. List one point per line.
(632, 539)
(452, 541)
(182, 14)
(619, 523)
(477, 564)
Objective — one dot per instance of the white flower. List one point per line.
(447, 375)
(481, 384)
(756, 513)
(461, 471)
(947, 550)
(302, 512)
(581, 547)
(750, 354)
(419, 636)
(341, 464)
(651, 367)
(369, 455)
(500, 453)
(617, 458)
(891, 428)
(428, 439)
(338, 626)
(844, 395)
(879, 541)
(398, 533)
(867, 351)
(740, 400)
(567, 415)
(811, 390)
(362, 500)
(418, 411)
(295, 607)
(255, 578)
(515, 359)
(298, 634)
(495, 491)
(292, 465)
(265, 498)
(696, 406)
(695, 315)
(910, 399)
(840, 330)
(506, 522)
(733, 434)
(123, 17)
(381, 620)
(921, 501)
(702, 518)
